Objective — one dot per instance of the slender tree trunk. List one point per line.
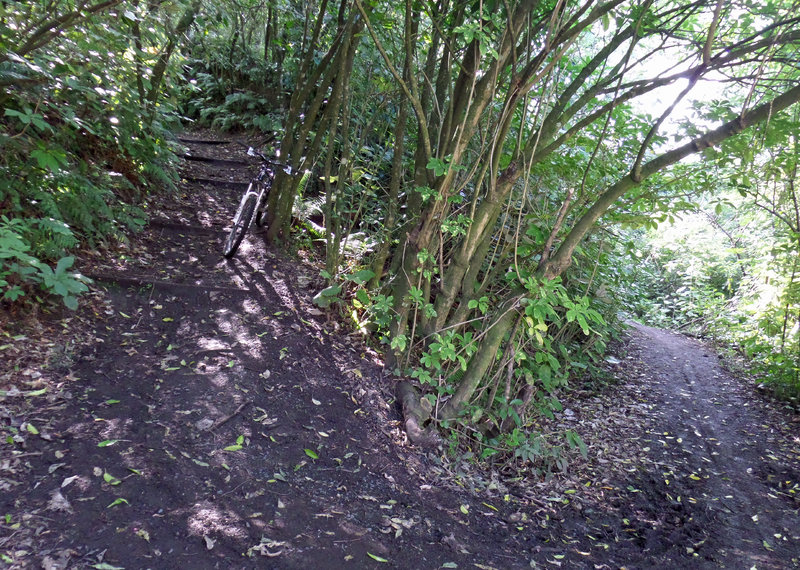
(395, 183)
(483, 358)
(176, 34)
(137, 45)
(47, 30)
(298, 150)
(561, 259)
(341, 93)
(269, 32)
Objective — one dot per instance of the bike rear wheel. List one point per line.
(240, 223)
(261, 217)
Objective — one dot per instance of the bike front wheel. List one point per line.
(240, 224)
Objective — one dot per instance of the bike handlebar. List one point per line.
(266, 159)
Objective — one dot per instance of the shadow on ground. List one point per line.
(214, 419)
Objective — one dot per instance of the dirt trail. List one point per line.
(218, 420)
(724, 453)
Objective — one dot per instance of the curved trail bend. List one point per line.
(729, 459)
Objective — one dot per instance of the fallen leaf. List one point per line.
(68, 480)
(58, 502)
(110, 479)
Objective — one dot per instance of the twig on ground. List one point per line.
(229, 417)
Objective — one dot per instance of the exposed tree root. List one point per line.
(416, 411)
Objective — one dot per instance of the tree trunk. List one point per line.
(187, 19)
(559, 262)
(494, 335)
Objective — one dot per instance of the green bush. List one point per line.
(19, 270)
(81, 147)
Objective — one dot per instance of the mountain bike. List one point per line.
(254, 201)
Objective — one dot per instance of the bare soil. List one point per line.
(202, 413)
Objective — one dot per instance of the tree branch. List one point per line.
(562, 258)
(415, 102)
(51, 29)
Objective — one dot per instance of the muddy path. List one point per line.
(212, 417)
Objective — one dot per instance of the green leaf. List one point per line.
(327, 296)
(110, 479)
(331, 291)
(399, 343)
(311, 453)
(363, 297)
(48, 159)
(376, 558)
(107, 442)
(361, 277)
(438, 166)
(23, 117)
(65, 263)
(32, 429)
(118, 501)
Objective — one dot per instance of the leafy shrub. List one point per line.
(81, 150)
(231, 93)
(20, 270)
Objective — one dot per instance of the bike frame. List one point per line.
(258, 188)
